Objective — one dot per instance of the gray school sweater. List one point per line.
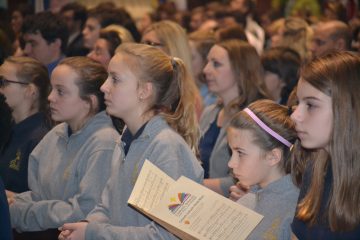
(277, 203)
(67, 175)
(113, 218)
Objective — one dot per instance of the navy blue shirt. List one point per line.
(51, 66)
(321, 229)
(127, 137)
(206, 145)
(5, 227)
(25, 135)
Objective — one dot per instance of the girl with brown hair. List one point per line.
(260, 138)
(327, 119)
(70, 166)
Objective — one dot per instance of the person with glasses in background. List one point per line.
(25, 84)
(171, 38)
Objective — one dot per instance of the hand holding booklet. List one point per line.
(188, 209)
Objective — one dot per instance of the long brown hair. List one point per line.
(338, 76)
(173, 98)
(248, 72)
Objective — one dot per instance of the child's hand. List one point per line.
(10, 197)
(237, 191)
(73, 231)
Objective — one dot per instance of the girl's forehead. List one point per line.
(117, 63)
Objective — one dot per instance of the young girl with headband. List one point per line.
(260, 138)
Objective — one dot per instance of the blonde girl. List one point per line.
(149, 91)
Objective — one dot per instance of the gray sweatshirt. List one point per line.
(277, 203)
(67, 175)
(113, 218)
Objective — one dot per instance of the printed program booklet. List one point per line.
(188, 209)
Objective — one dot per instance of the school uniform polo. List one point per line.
(25, 135)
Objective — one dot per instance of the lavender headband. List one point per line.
(267, 129)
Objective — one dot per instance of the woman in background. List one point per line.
(109, 39)
(172, 39)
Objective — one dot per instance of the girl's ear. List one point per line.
(145, 91)
(93, 105)
(274, 156)
(31, 91)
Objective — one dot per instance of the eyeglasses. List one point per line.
(4, 82)
(154, 44)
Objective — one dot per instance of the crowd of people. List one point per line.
(262, 110)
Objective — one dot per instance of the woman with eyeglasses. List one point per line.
(25, 84)
(171, 38)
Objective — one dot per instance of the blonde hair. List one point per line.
(122, 32)
(173, 98)
(297, 36)
(174, 38)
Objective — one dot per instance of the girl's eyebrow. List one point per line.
(239, 149)
(308, 98)
(113, 74)
(59, 85)
(311, 98)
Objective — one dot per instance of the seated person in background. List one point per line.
(281, 67)
(45, 37)
(75, 15)
(330, 36)
(109, 39)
